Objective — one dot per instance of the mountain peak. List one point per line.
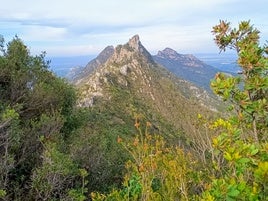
(168, 53)
(186, 66)
(134, 42)
(108, 50)
(133, 48)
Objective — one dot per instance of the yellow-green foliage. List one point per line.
(156, 171)
(241, 150)
(240, 166)
(248, 93)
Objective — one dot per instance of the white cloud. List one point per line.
(103, 11)
(72, 26)
(43, 33)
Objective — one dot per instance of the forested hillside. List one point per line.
(115, 137)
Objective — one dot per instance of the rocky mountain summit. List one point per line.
(131, 82)
(127, 64)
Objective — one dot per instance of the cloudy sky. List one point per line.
(85, 27)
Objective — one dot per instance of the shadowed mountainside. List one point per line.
(187, 67)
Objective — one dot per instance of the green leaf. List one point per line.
(227, 156)
(2, 193)
(243, 160)
(233, 192)
(254, 152)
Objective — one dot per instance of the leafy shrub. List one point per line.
(155, 171)
(240, 171)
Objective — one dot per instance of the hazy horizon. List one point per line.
(62, 65)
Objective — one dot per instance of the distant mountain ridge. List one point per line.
(187, 67)
(183, 59)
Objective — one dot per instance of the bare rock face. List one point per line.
(124, 70)
(134, 42)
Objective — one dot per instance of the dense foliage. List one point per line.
(36, 108)
(52, 150)
(241, 157)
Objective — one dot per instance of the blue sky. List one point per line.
(85, 27)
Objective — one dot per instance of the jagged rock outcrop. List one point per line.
(129, 63)
(135, 43)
